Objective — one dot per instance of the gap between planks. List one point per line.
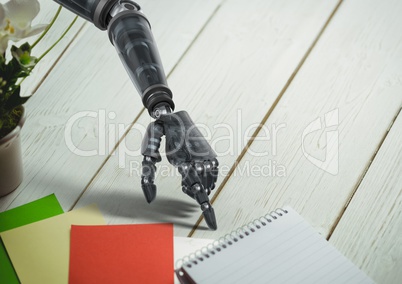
(269, 112)
(369, 163)
(143, 109)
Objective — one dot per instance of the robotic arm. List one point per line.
(186, 148)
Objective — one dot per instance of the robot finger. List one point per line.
(205, 177)
(210, 174)
(148, 177)
(192, 186)
(215, 169)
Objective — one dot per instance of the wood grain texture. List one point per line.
(46, 14)
(369, 232)
(86, 92)
(337, 109)
(227, 81)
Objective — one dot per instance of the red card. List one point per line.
(121, 254)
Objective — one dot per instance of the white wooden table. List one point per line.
(300, 99)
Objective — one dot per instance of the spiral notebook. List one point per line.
(280, 247)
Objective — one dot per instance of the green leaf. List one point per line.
(15, 99)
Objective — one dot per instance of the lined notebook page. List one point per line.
(287, 250)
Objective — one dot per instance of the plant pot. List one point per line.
(11, 171)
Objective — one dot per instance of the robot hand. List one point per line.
(130, 32)
(187, 150)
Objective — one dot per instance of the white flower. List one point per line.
(15, 21)
(3, 43)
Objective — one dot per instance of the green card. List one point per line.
(40, 209)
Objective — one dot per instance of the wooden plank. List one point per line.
(87, 91)
(227, 81)
(46, 14)
(369, 232)
(337, 110)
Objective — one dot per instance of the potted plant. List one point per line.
(16, 63)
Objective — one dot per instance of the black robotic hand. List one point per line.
(186, 149)
(130, 32)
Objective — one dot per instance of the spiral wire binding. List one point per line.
(229, 239)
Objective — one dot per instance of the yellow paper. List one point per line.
(40, 251)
